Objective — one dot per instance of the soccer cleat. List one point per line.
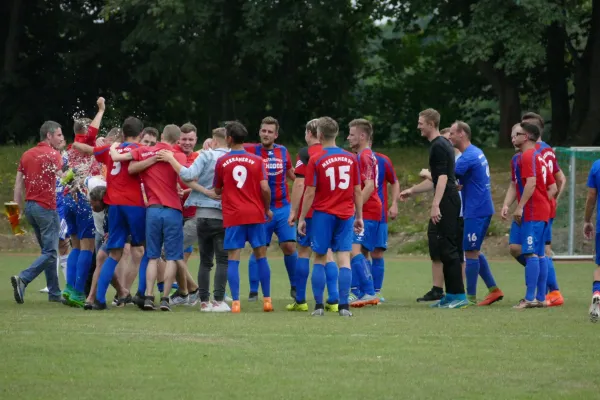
(267, 305)
(193, 298)
(76, 300)
(293, 292)
(365, 300)
(149, 303)
(523, 304)
(178, 299)
(235, 307)
(220, 306)
(492, 297)
(18, 288)
(97, 306)
(380, 297)
(164, 304)
(431, 296)
(297, 307)
(595, 307)
(441, 303)
(352, 298)
(67, 292)
(319, 312)
(44, 290)
(331, 307)
(457, 303)
(88, 306)
(138, 300)
(253, 296)
(554, 299)
(123, 301)
(344, 313)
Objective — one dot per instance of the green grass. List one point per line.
(400, 349)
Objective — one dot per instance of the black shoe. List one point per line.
(149, 303)
(431, 296)
(293, 292)
(123, 301)
(138, 300)
(99, 306)
(253, 296)
(57, 299)
(164, 304)
(87, 306)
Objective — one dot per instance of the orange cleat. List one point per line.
(267, 305)
(554, 299)
(492, 297)
(235, 307)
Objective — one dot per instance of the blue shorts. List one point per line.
(368, 237)
(124, 221)
(279, 225)
(474, 232)
(382, 236)
(164, 227)
(330, 232)
(598, 248)
(78, 215)
(189, 249)
(237, 236)
(548, 232)
(304, 241)
(530, 235)
(63, 233)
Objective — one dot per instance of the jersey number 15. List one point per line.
(343, 176)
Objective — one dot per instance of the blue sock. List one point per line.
(370, 273)
(161, 286)
(552, 282)
(84, 263)
(72, 267)
(532, 273)
(318, 282)
(344, 282)
(472, 273)
(542, 280)
(175, 286)
(377, 269)
(521, 259)
(301, 277)
(253, 274)
(233, 278)
(359, 262)
(264, 271)
(596, 287)
(355, 285)
(106, 275)
(331, 272)
(142, 275)
(290, 266)
(485, 272)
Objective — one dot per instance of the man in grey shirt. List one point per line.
(209, 219)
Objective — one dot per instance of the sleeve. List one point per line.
(440, 160)
(91, 135)
(250, 147)
(101, 153)
(288, 161)
(218, 179)
(367, 166)
(390, 173)
(591, 181)
(310, 177)
(528, 165)
(136, 154)
(263, 169)
(555, 167)
(462, 166)
(193, 171)
(21, 168)
(302, 162)
(355, 173)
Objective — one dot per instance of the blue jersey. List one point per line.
(474, 173)
(593, 182)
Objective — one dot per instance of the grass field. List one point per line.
(399, 350)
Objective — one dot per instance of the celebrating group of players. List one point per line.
(127, 191)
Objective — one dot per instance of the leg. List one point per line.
(218, 241)
(448, 228)
(100, 258)
(437, 291)
(206, 247)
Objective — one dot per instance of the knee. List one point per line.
(377, 253)
(448, 251)
(515, 250)
(473, 254)
(288, 248)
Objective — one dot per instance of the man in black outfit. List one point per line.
(445, 209)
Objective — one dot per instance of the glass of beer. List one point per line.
(11, 209)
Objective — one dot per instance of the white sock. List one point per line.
(63, 265)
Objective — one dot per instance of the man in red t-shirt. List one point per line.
(241, 180)
(36, 174)
(164, 219)
(333, 192)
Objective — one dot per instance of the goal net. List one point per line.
(567, 232)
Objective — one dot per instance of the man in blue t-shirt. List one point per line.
(473, 172)
(593, 184)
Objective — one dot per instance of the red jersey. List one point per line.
(89, 138)
(122, 188)
(188, 212)
(334, 173)
(550, 158)
(84, 163)
(277, 163)
(304, 156)
(239, 174)
(367, 165)
(531, 164)
(160, 179)
(385, 174)
(39, 166)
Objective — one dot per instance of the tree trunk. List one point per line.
(508, 97)
(557, 76)
(11, 45)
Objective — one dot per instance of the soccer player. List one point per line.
(554, 298)
(149, 136)
(126, 210)
(304, 251)
(333, 191)
(443, 228)
(363, 290)
(593, 184)
(241, 180)
(164, 218)
(534, 187)
(473, 172)
(36, 174)
(385, 174)
(278, 164)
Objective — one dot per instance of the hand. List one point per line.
(302, 227)
(211, 193)
(101, 141)
(101, 105)
(393, 211)
(292, 219)
(405, 194)
(424, 173)
(359, 226)
(518, 215)
(436, 214)
(115, 145)
(504, 212)
(588, 230)
(165, 155)
(180, 191)
(269, 215)
(459, 186)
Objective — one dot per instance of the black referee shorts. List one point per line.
(445, 237)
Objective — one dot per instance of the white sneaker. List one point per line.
(206, 306)
(44, 290)
(220, 306)
(595, 308)
(228, 298)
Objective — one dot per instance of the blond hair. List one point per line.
(432, 116)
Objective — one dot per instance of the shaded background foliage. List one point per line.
(208, 61)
